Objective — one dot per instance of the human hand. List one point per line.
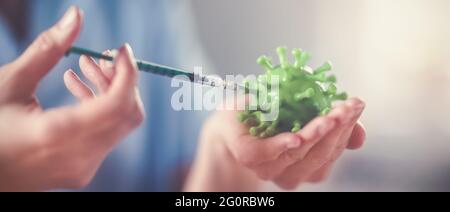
(287, 159)
(63, 147)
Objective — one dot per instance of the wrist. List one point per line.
(215, 168)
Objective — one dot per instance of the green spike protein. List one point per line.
(303, 94)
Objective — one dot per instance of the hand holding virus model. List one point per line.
(303, 94)
(231, 159)
(301, 144)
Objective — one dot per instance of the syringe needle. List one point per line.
(162, 70)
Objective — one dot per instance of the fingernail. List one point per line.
(68, 19)
(128, 50)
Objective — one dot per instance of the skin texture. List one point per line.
(230, 159)
(63, 147)
(298, 146)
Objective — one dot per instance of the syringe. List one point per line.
(167, 71)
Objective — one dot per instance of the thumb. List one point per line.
(46, 50)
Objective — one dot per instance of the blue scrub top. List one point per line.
(156, 156)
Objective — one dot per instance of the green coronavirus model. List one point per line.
(303, 94)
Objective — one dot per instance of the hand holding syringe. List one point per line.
(162, 70)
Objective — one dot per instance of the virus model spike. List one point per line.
(303, 94)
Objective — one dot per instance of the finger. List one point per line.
(321, 152)
(311, 135)
(94, 74)
(47, 49)
(321, 174)
(123, 84)
(107, 66)
(345, 112)
(319, 127)
(103, 63)
(272, 169)
(357, 130)
(116, 112)
(120, 99)
(315, 159)
(346, 115)
(253, 152)
(314, 132)
(357, 138)
(344, 140)
(78, 88)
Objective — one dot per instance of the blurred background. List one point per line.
(393, 54)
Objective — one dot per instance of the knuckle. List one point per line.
(288, 137)
(46, 43)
